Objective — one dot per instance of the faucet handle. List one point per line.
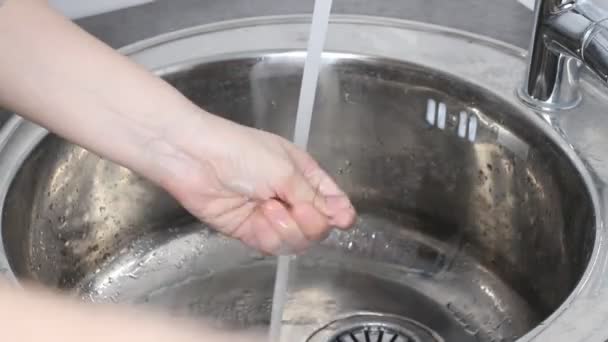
(567, 34)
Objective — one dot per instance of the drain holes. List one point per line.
(373, 334)
(374, 327)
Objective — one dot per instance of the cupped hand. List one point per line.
(253, 185)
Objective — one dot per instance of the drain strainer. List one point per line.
(374, 333)
(374, 327)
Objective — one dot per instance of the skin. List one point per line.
(258, 188)
(39, 315)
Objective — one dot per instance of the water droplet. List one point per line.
(180, 263)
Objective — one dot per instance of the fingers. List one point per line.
(263, 236)
(284, 225)
(281, 230)
(328, 198)
(292, 232)
(312, 223)
(308, 203)
(273, 230)
(336, 205)
(299, 190)
(342, 213)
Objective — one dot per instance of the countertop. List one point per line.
(505, 20)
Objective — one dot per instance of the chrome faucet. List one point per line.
(567, 35)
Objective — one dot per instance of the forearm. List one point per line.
(38, 315)
(57, 75)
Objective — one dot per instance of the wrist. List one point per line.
(178, 149)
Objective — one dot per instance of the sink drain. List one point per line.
(374, 327)
(375, 333)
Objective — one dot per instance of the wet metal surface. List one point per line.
(505, 20)
(465, 226)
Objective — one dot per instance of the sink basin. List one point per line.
(477, 222)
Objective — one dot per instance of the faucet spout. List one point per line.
(567, 35)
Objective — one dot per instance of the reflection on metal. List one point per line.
(437, 115)
(431, 112)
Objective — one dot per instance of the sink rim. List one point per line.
(18, 137)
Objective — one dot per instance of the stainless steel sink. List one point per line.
(478, 221)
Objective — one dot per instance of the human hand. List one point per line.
(247, 184)
(37, 314)
(252, 185)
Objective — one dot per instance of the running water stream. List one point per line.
(310, 78)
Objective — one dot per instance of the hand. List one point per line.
(36, 314)
(253, 186)
(247, 184)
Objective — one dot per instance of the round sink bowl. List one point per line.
(476, 222)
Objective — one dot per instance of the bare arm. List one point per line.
(259, 188)
(37, 315)
(59, 76)
(55, 74)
